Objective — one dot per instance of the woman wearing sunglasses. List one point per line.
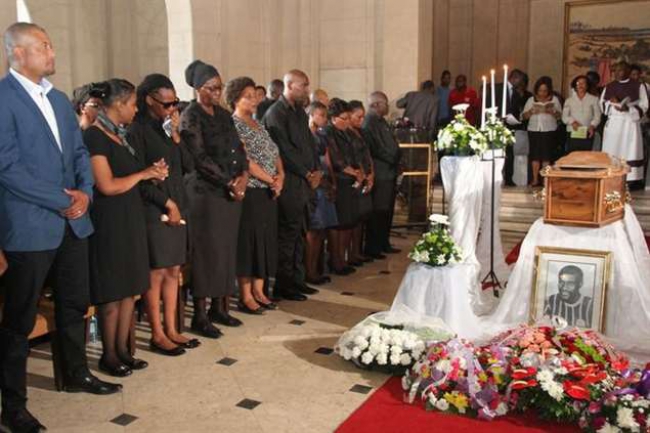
(86, 105)
(154, 134)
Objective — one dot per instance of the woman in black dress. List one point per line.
(119, 260)
(349, 181)
(154, 135)
(257, 247)
(362, 155)
(216, 190)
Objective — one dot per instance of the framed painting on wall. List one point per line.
(600, 33)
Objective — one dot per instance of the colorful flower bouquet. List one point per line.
(436, 247)
(460, 138)
(566, 375)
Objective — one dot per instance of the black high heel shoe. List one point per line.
(269, 306)
(119, 370)
(245, 309)
(176, 351)
(136, 364)
(190, 344)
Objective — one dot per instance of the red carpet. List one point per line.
(385, 411)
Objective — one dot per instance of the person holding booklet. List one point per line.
(581, 114)
(624, 103)
(542, 112)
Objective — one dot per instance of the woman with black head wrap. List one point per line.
(216, 190)
(154, 135)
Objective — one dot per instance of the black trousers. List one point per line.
(24, 283)
(509, 166)
(292, 228)
(379, 223)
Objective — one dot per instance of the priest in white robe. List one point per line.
(624, 102)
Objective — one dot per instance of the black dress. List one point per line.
(257, 247)
(167, 244)
(348, 193)
(364, 159)
(218, 157)
(119, 258)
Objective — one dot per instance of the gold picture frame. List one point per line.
(583, 305)
(598, 33)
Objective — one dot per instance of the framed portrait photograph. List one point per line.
(571, 284)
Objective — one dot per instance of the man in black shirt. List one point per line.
(288, 125)
(276, 87)
(386, 156)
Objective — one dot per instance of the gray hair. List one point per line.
(13, 37)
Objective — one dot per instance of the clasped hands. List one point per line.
(237, 187)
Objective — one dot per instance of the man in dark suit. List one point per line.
(514, 105)
(288, 125)
(276, 87)
(45, 189)
(421, 107)
(385, 156)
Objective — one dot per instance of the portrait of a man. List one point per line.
(570, 302)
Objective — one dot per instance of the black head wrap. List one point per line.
(197, 73)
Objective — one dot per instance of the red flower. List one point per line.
(522, 384)
(594, 378)
(523, 373)
(576, 391)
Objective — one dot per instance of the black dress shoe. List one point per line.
(377, 256)
(190, 344)
(259, 311)
(176, 351)
(391, 250)
(344, 271)
(367, 259)
(136, 364)
(289, 295)
(119, 370)
(269, 306)
(223, 319)
(206, 329)
(306, 290)
(90, 384)
(20, 421)
(318, 281)
(356, 263)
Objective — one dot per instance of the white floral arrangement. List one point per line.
(461, 138)
(376, 344)
(436, 247)
(497, 134)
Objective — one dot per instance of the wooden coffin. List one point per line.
(585, 189)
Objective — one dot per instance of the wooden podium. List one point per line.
(414, 201)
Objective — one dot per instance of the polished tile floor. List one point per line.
(277, 373)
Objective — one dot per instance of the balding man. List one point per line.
(276, 87)
(386, 156)
(46, 185)
(288, 125)
(320, 95)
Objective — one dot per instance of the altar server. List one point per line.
(624, 103)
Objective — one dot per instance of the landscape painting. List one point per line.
(600, 33)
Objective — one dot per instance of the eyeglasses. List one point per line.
(167, 105)
(91, 104)
(213, 89)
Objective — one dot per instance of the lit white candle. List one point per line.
(492, 91)
(484, 102)
(505, 90)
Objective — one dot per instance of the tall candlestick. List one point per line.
(492, 91)
(484, 102)
(505, 90)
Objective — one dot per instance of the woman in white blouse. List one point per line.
(542, 112)
(581, 115)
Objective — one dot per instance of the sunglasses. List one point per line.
(166, 105)
(91, 104)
